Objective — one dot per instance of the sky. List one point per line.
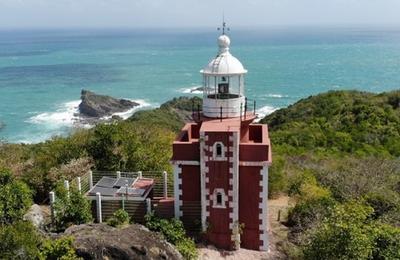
(195, 13)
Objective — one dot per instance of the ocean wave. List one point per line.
(264, 111)
(275, 96)
(67, 115)
(192, 90)
(125, 115)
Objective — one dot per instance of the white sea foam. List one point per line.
(264, 111)
(276, 96)
(192, 90)
(65, 115)
(125, 115)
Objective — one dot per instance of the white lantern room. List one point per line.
(223, 84)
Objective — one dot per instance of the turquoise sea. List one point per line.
(42, 72)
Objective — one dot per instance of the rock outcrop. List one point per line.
(35, 216)
(100, 241)
(98, 106)
(184, 107)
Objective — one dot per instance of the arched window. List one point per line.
(219, 151)
(219, 198)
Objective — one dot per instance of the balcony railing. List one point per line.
(245, 109)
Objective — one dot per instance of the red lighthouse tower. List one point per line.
(221, 161)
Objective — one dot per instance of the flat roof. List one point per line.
(117, 187)
(224, 125)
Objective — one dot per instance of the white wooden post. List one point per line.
(90, 180)
(98, 207)
(66, 186)
(52, 201)
(118, 174)
(140, 174)
(165, 177)
(78, 182)
(148, 205)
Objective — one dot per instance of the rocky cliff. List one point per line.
(97, 106)
(100, 241)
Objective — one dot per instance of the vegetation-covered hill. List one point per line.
(343, 121)
(172, 114)
(336, 155)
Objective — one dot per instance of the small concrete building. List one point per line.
(221, 161)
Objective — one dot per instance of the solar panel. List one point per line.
(106, 182)
(132, 192)
(104, 191)
(121, 182)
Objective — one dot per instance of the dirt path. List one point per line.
(277, 231)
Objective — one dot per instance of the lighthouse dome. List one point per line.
(225, 63)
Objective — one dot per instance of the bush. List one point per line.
(119, 218)
(130, 146)
(70, 210)
(15, 198)
(174, 232)
(60, 249)
(314, 203)
(346, 234)
(277, 178)
(387, 242)
(19, 241)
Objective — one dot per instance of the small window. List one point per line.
(219, 150)
(223, 88)
(219, 199)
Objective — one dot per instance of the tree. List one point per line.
(387, 242)
(70, 210)
(15, 198)
(174, 232)
(346, 234)
(19, 240)
(60, 249)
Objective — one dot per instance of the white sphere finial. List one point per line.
(223, 43)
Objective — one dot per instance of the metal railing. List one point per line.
(244, 109)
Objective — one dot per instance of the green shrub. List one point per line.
(387, 240)
(346, 234)
(19, 240)
(174, 232)
(119, 218)
(70, 210)
(15, 198)
(59, 249)
(277, 177)
(307, 214)
(383, 202)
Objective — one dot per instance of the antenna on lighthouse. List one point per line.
(224, 27)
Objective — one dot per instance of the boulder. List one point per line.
(35, 216)
(201, 89)
(100, 241)
(97, 106)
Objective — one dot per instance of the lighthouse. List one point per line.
(221, 160)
